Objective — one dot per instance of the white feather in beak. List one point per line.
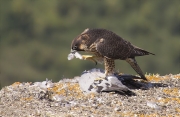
(74, 54)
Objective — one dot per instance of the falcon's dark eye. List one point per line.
(75, 47)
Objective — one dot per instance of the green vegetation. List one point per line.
(35, 35)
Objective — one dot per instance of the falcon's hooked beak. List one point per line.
(73, 51)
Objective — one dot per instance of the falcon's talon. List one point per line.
(89, 57)
(144, 81)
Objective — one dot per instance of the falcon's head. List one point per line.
(80, 43)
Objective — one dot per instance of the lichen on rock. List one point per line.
(158, 97)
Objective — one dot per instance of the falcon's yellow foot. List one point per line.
(89, 57)
(100, 78)
(144, 81)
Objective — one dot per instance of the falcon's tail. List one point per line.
(140, 52)
(136, 67)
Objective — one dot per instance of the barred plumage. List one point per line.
(107, 45)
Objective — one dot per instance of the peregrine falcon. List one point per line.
(105, 47)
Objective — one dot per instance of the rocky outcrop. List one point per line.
(119, 95)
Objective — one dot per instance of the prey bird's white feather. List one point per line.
(72, 55)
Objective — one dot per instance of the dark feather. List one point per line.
(139, 52)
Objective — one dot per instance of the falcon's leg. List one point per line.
(89, 57)
(136, 67)
(109, 66)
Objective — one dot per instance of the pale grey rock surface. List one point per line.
(66, 99)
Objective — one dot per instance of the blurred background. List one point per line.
(35, 35)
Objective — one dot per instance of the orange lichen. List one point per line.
(27, 98)
(73, 87)
(167, 100)
(177, 76)
(157, 77)
(172, 91)
(91, 95)
(178, 110)
(130, 114)
(149, 115)
(58, 89)
(16, 84)
(66, 89)
(127, 114)
(153, 77)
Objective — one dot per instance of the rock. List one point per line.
(65, 98)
